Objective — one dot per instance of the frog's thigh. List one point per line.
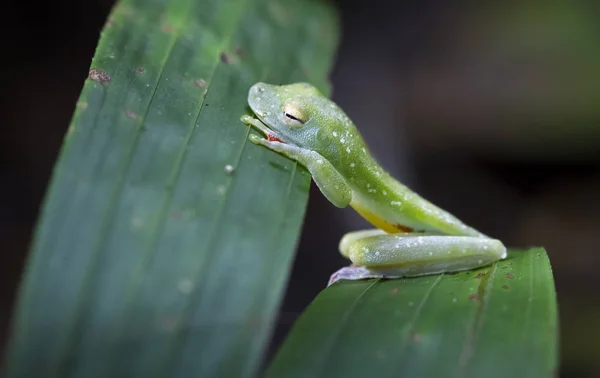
(412, 254)
(351, 237)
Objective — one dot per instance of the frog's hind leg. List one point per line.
(351, 237)
(377, 254)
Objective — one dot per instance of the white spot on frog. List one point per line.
(348, 149)
(352, 165)
(334, 134)
(395, 203)
(377, 253)
(342, 140)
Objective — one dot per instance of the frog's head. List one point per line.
(293, 112)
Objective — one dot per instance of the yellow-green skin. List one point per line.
(413, 236)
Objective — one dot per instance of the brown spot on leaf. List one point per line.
(510, 276)
(169, 323)
(130, 114)
(82, 105)
(416, 337)
(140, 70)
(394, 290)
(239, 51)
(200, 83)
(480, 275)
(167, 28)
(505, 287)
(474, 297)
(226, 58)
(99, 76)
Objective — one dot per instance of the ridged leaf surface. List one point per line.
(166, 237)
(498, 321)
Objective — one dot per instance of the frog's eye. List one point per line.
(293, 116)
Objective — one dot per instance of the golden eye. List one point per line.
(292, 115)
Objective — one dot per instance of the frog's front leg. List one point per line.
(328, 179)
(377, 254)
(251, 121)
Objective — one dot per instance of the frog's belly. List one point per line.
(378, 221)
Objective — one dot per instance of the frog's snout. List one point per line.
(257, 88)
(261, 98)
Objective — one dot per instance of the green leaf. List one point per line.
(152, 258)
(498, 321)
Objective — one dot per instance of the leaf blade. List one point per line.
(455, 325)
(136, 262)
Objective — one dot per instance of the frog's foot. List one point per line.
(354, 272)
(256, 123)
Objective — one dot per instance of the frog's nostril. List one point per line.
(258, 88)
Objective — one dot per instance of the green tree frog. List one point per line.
(412, 236)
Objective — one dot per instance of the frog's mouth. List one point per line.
(270, 134)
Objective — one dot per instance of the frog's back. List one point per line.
(392, 207)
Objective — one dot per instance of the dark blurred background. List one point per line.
(491, 111)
